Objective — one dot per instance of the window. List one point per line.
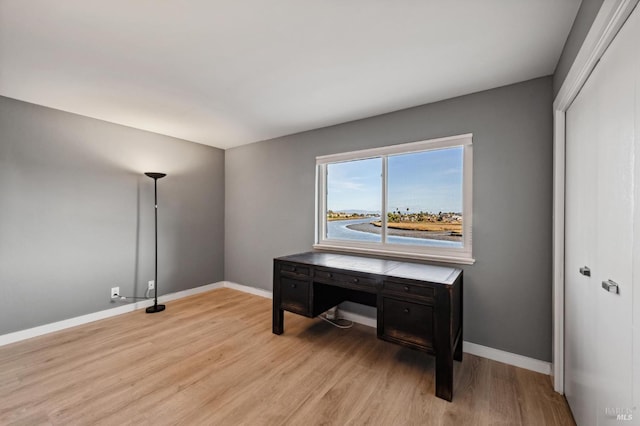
(411, 200)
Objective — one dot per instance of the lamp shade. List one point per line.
(155, 175)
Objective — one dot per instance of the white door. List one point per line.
(636, 247)
(615, 211)
(580, 296)
(601, 221)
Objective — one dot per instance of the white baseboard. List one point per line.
(189, 292)
(246, 289)
(17, 336)
(360, 319)
(468, 347)
(507, 357)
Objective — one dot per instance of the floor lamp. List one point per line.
(155, 176)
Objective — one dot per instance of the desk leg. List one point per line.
(444, 345)
(278, 314)
(278, 320)
(444, 375)
(457, 353)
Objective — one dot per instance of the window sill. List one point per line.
(459, 260)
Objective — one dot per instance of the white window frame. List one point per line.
(463, 255)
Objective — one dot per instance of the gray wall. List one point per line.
(581, 26)
(76, 214)
(269, 200)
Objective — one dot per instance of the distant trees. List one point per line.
(398, 216)
(331, 215)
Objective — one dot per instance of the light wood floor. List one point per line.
(212, 359)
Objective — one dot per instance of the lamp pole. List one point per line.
(155, 176)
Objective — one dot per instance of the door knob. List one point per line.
(585, 271)
(611, 286)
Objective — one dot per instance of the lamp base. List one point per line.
(155, 308)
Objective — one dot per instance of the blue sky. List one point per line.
(428, 181)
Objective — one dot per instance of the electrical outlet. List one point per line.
(152, 285)
(115, 292)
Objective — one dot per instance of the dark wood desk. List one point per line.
(419, 306)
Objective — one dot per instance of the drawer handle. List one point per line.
(406, 310)
(294, 285)
(355, 280)
(406, 288)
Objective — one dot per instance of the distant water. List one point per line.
(338, 230)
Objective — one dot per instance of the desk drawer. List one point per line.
(410, 290)
(295, 270)
(407, 322)
(341, 279)
(294, 295)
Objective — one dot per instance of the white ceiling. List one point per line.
(229, 72)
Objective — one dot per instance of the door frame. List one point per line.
(610, 18)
